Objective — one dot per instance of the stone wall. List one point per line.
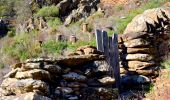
(83, 75)
(145, 45)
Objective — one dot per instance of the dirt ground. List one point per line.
(161, 89)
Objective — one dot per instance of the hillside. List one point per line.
(41, 38)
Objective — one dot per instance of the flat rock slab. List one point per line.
(138, 57)
(70, 60)
(141, 50)
(131, 36)
(136, 43)
(38, 74)
(23, 86)
(74, 77)
(139, 64)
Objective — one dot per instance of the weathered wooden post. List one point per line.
(109, 46)
(73, 39)
(85, 27)
(115, 61)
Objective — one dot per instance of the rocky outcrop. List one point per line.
(79, 76)
(78, 9)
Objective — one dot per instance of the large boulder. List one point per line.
(23, 86)
(149, 20)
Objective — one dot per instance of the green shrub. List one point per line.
(166, 64)
(119, 8)
(48, 11)
(11, 34)
(53, 47)
(54, 22)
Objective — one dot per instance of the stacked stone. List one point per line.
(83, 75)
(138, 55)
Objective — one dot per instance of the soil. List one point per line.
(161, 89)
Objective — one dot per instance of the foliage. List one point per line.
(54, 22)
(48, 11)
(119, 8)
(11, 34)
(166, 64)
(53, 47)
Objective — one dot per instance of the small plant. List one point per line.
(11, 34)
(48, 11)
(54, 22)
(2, 65)
(166, 64)
(119, 8)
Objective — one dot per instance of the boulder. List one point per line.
(141, 50)
(107, 80)
(135, 79)
(139, 64)
(25, 85)
(53, 68)
(136, 43)
(38, 74)
(131, 36)
(101, 66)
(139, 57)
(148, 21)
(74, 77)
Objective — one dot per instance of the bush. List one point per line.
(11, 34)
(53, 47)
(166, 64)
(54, 22)
(48, 11)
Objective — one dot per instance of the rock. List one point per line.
(107, 80)
(75, 60)
(101, 66)
(135, 79)
(32, 96)
(131, 36)
(102, 93)
(136, 43)
(38, 74)
(76, 85)
(139, 64)
(123, 71)
(80, 59)
(25, 85)
(26, 96)
(53, 68)
(73, 98)
(18, 65)
(148, 21)
(141, 50)
(74, 77)
(93, 82)
(66, 90)
(139, 57)
(4, 93)
(87, 50)
(31, 66)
